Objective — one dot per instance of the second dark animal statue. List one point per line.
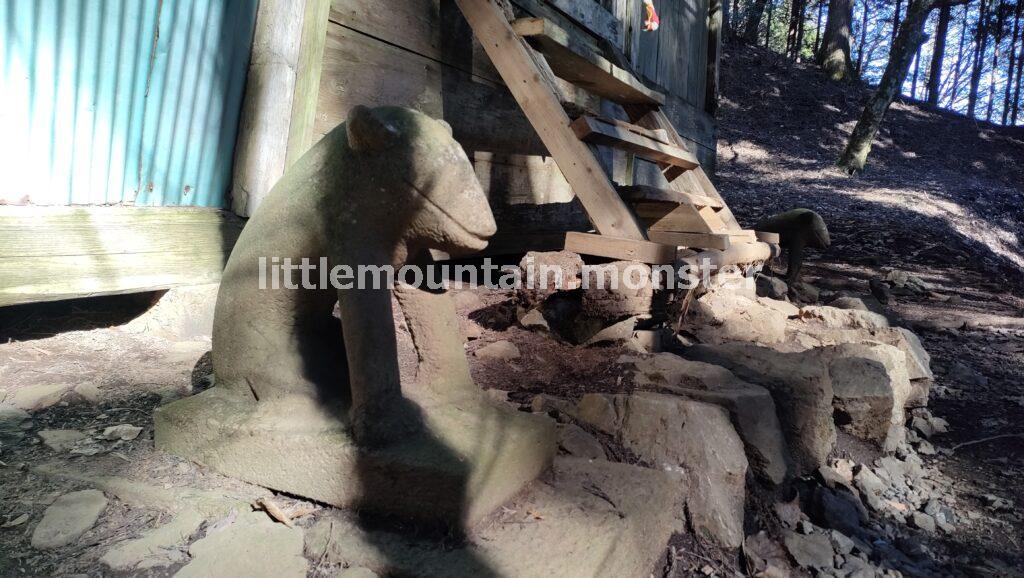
(797, 229)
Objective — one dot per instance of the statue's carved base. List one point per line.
(470, 458)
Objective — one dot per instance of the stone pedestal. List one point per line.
(588, 518)
(470, 457)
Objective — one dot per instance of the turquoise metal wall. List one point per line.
(121, 101)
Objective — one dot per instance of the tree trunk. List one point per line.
(817, 28)
(917, 71)
(896, 20)
(768, 28)
(980, 44)
(1016, 91)
(754, 15)
(938, 55)
(958, 69)
(800, 29)
(863, 39)
(726, 25)
(795, 36)
(1000, 21)
(1012, 62)
(834, 56)
(908, 40)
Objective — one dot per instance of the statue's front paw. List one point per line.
(382, 423)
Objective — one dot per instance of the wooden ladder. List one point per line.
(640, 223)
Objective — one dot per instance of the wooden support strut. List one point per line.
(606, 210)
(698, 180)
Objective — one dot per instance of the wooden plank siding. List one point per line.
(421, 54)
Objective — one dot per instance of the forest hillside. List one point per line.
(935, 217)
(939, 191)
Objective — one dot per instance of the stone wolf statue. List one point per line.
(377, 190)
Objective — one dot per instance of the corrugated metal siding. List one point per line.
(121, 101)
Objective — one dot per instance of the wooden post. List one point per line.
(715, 23)
(280, 96)
(307, 81)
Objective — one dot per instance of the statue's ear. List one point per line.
(367, 133)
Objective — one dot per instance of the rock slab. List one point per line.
(693, 438)
(724, 316)
(60, 440)
(67, 518)
(809, 550)
(36, 397)
(799, 384)
(750, 406)
(252, 547)
(590, 518)
(156, 547)
(871, 389)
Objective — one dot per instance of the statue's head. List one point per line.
(436, 199)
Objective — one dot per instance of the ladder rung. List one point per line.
(616, 248)
(660, 135)
(579, 65)
(679, 218)
(637, 194)
(596, 131)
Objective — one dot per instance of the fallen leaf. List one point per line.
(86, 450)
(16, 522)
(270, 507)
(124, 432)
(897, 505)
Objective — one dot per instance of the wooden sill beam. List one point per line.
(53, 253)
(719, 241)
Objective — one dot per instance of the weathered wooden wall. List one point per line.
(422, 54)
(674, 57)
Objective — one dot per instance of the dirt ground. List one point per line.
(941, 200)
